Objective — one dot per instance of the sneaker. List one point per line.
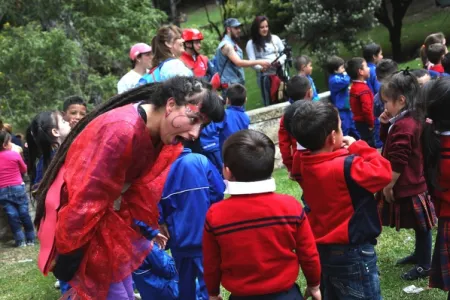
(20, 244)
(30, 243)
(408, 260)
(57, 284)
(416, 273)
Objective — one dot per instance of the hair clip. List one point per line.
(428, 121)
(406, 71)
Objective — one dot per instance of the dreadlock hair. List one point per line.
(182, 89)
(435, 107)
(41, 141)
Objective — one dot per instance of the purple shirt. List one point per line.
(12, 166)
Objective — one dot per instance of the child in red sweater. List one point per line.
(339, 178)
(436, 134)
(361, 99)
(254, 241)
(404, 203)
(435, 54)
(298, 88)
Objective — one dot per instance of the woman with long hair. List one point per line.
(167, 47)
(267, 46)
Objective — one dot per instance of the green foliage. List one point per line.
(38, 69)
(51, 49)
(322, 25)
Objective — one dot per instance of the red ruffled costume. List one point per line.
(114, 149)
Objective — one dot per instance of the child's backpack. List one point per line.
(154, 75)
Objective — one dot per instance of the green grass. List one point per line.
(22, 280)
(415, 29)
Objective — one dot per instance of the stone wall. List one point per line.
(267, 120)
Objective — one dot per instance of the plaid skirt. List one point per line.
(416, 212)
(440, 264)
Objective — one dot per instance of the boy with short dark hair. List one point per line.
(446, 64)
(235, 116)
(254, 241)
(74, 109)
(303, 65)
(435, 54)
(361, 99)
(338, 83)
(422, 75)
(345, 229)
(298, 88)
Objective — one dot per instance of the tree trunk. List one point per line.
(173, 12)
(395, 34)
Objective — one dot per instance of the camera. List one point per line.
(288, 52)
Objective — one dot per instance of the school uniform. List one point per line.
(235, 119)
(192, 186)
(440, 267)
(210, 144)
(412, 208)
(346, 228)
(340, 97)
(361, 103)
(374, 86)
(287, 144)
(249, 241)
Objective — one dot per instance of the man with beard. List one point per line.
(229, 56)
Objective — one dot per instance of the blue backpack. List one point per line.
(154, 75)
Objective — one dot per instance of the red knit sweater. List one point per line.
(402, 147)
(253, 245)
(287, 144)
(361, 103)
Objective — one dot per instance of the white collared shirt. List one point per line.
(247, 188)
(396, 118)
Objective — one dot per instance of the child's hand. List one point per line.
(163, 229)
(161, 240)
(347, 141)
(291, 177)
(388, 193)
(385, 117)
(218, 297)
(313, 292)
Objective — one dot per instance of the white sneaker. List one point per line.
(57, 284)
(137, 296)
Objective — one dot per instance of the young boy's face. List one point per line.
(74, 114)
(340, 70)
(364, 72)
(308, 69)
(377, 58)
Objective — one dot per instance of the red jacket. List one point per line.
(361, 103)
(253, 245)
(442, 196)
(339, 187)
(403, 148)
(287, 144)
(199, 65)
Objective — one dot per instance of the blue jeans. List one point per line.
(349, 272)
(14, 201)
(264, 84)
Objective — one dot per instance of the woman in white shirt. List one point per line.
(141, 60)
(264, 45)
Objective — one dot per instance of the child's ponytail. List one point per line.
(431, 145)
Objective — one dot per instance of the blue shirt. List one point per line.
(313, 86)
(235, 119)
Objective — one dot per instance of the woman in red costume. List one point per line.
(110, 172)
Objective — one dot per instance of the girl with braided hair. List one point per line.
(108, 173)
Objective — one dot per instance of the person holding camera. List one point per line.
(230, 57)
(266, 46)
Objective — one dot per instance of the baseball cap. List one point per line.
(232, 22)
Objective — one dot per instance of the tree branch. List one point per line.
(383, 16)
(213, 25)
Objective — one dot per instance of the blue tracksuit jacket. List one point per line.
(313, 86)
(193, 185)
(339, 92)
(372, 82)
(235, 119)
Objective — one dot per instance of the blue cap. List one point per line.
(232, 22)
